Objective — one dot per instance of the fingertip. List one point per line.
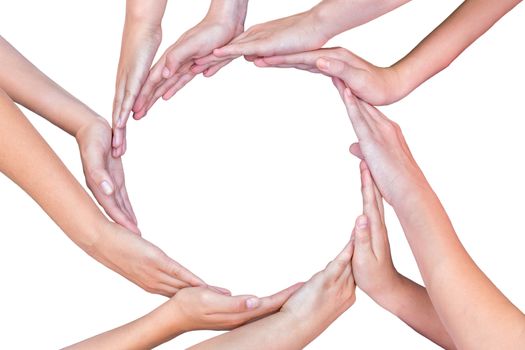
(166, 73)
(253, 303)
(323, 64)
(107, 187)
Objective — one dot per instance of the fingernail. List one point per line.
(119, 122)
(323, 64)
(362, 222)
(106, 188)
(348, 93)
(253, 303)
(166, 72)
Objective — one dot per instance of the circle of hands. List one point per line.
(217, 40)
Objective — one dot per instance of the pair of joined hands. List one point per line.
(219, 39)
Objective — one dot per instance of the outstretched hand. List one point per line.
(297, 33)
(375, 85)
(104, 173)
(140, 42)
(383, 147)
(173, 70)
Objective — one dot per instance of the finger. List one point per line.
(371, 210)
(208, 60)
(178, 271)
(357, 117)
(339, 69)
(355, 149)
(363, 244)
(112, 209)
(214, 69)
(340, 86)
(234, 50)
(224, 304)
(307, 58)
(251, 58)
(173, 282)
(200, 68)
(127, 203)
(185, 79)
(150, 85)
(176, 57)
(117, 106)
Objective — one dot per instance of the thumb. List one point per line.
(97, 173)
(175, 58)
(363, 245)
(351, 75)
(355, 149)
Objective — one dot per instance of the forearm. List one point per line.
(27, 160)
(471, 308)
(337, 16)
(277, 331)
(464, 26)
(28, 86)
(148, 12)
(144, 333)
(232, 11)
(410, 302)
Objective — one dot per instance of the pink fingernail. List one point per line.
(323, 64)
(253, 303)
(362, 222)
(166, 72)
(106, 188)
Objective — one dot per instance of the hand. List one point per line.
(141, 262)
(383, 147)
(375, 85)
(173, 70)
(327, 295)
(140, 43)
(297, 33)
(104, 173)
(203, 308)
(374, 271)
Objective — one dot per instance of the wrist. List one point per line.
(387, 296)
(229, 13)
(327, 17)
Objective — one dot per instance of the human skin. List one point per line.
(191, 309)
(386, 85)
(66, 202)
(104, 175)
(308, 312)
(375, 274)
(305, 31)
(472, 310)
(141, 38)
(303, 310)
(224, 20)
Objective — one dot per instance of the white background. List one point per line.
(246, 178)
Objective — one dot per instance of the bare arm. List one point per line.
(376, 275)
(27, 160)
(191, 309)
(309, 311)
(474, 312)
(441, 47)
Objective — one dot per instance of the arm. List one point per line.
(191, 309)
(104, 175)
(473, 311)
(441, 47)
(141, 39)
(305, 31)
(386, 85)
(224, 21)
(309, 311)
(376, 275)
(44, 177)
